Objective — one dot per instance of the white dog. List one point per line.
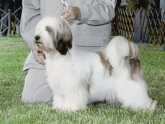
(77, 77)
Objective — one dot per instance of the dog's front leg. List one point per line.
(71, 95)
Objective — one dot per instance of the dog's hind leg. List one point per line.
(133, 94)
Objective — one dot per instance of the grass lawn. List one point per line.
(13, 52)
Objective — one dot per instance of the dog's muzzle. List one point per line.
(37, 37)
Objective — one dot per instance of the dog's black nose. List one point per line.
(37, 37)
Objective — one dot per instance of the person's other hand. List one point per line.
(73, 14)
(39, 56)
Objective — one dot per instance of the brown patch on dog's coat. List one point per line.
(105, 63)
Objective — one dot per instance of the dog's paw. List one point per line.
(147, 105)
(151, 105)
(69, 107)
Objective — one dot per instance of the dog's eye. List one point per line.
(48, 29)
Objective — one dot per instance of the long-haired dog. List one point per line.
(78, 77)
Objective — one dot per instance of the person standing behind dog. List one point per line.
(17, 9)
(8, 4)
(162, 6)
(90, 26)
(1, 11)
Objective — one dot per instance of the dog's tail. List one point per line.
(133, 62)
(122, 53)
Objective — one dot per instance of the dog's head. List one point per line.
(53, 34)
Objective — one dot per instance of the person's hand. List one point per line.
(39, 56)
(72, 14)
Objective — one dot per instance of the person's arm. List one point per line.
(98, 13)
(31, 15)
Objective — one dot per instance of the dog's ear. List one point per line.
(64, 38)
(58, 41)
(62, 44)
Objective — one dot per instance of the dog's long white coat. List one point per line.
(69, 76)
(79, 77)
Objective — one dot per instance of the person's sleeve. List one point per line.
(30, 17)
(98, 13)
